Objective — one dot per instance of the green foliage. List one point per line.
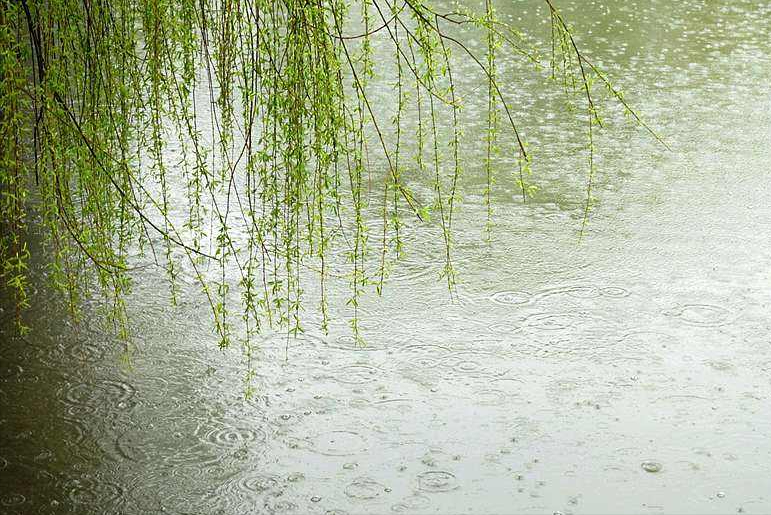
(101, 113)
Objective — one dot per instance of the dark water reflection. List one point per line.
(628, 373)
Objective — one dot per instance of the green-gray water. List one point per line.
(627, 373)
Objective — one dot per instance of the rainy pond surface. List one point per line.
(627, 373)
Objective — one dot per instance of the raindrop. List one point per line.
(339, 443)
(651, 466)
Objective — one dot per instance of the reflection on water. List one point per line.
(627, 373)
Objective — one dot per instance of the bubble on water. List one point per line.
(350, 465)
(315, 498)
(295, 477)
(511, 298)
(364, 488)
(338, 443)
(720, 495)
(651, 466)
(437, 481)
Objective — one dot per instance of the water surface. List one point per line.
(626, 373)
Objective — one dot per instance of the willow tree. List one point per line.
(228, 140)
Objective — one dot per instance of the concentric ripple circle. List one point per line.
(511, 298)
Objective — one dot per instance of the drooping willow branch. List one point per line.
(236, 140)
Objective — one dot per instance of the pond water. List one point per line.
(629, 372)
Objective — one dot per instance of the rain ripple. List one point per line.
(412, 503)
(511, 298)
(83, 398)
(437, 481)
(364, 488)
(93, 492)
(702, 315)
(230, 436)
